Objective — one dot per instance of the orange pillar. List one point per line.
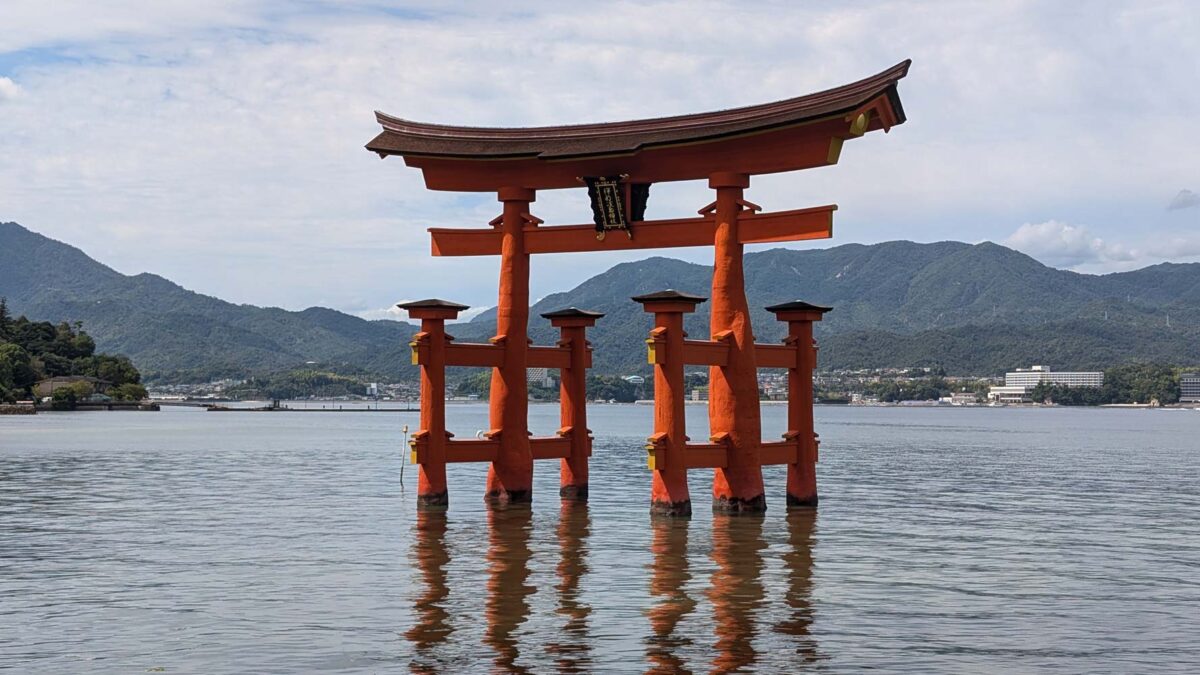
(669, 489)
(801, 476)
(510, 478)
(573, 324)
(733, 404)
(429, 443)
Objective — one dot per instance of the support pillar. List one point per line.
(429, 443)
(573, 324)
(669, 489)
(802, 475)
(510, 478)
(733, 402)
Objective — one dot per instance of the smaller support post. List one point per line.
(429, 443)
(669, 490)
(801, 476)
(573, 324)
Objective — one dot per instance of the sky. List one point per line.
(220, 143)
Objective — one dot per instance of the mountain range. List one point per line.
(171, 332)
(971, 308)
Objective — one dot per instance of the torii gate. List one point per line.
(618, 162)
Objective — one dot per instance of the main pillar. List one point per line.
(573, 324)
(510, 478)
(733, 402)
(669, 489)
(801, 476)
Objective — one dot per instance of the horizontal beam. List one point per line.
(472, 450)
(551, 357)
(782, 148)
(776, 356)
(753, 228)
(706, 455)
(646, 234)
(487, 449)
(550, 447)
(796, 225)
(779, 452)
(705, 353)
(477, 355)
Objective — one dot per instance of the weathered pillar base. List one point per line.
(794, 502)
(573, 493)
(734, 505)
(503, 498)
(672, 509)
(438, 501)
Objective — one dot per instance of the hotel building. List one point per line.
(1189, 388)
(1019, 383)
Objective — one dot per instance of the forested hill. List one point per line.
(170, 331)
(973, 309)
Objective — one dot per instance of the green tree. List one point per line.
(5, 320)
(115, 369)
(476, 384)
(610, 388)
(34, 350)
(16, 370)
(129, 391)
(67, 396)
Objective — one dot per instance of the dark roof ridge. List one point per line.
(407, 137)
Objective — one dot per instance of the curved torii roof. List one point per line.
(762, 138)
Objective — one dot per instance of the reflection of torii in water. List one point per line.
(430, 556)
(571, 646)
(506, 606)
(735, 590)
(669, 576)
(725, 148)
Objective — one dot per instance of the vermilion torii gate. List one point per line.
(618, 162)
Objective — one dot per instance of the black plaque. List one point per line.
(608, 204)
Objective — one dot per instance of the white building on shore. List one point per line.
(1019, 384)
(1189, 388)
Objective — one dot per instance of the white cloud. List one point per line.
(1072, 246)
(9, 90)
(1186, 199)
(1178, 248)
(383, 313)
(220, 143)
(394, 313)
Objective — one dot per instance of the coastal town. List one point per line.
(889, 386)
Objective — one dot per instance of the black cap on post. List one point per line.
(669, 300)
(572, 316)
(572, 313)
(432, 308)
(798, 310)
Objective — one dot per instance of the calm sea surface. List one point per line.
(947, 540)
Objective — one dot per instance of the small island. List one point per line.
(56, 367)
